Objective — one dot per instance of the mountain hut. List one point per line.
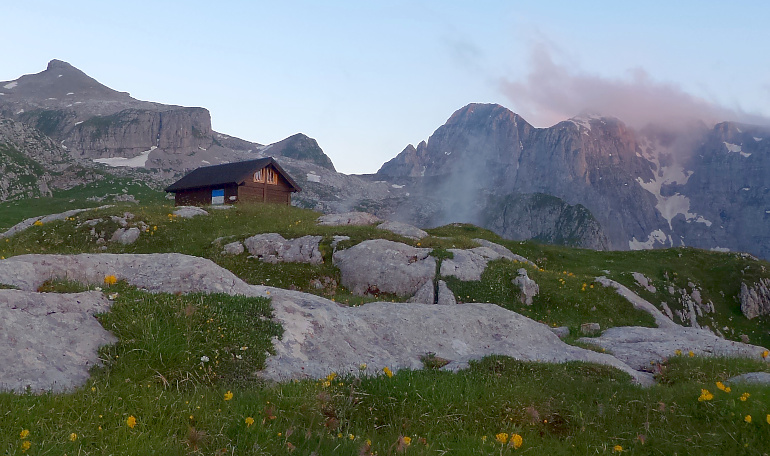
(252, 181)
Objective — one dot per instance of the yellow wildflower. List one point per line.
(24, 434)
(110, 280)
(721, 386)
(744, 396)
(484, 437)
(765, 354)
(727, 389)
(768, 419)
(407, 441)
(690, 354)
(516, 441)
(617, 449)
(38, 223)
(331, 376)
(387, 371)
(368, 442)
(131, 421)
(249, 421)
(502, 437)
(228, 395)
(678, 352)
(747, 419)
(73, 437)
(362, 366)
(705, 395)
(25, 445)
(351, 436)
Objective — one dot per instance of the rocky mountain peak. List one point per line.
(299, 147)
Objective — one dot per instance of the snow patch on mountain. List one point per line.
(657, 236)
(11, 85)
(735, 148)
(673, 205)
(140, 161)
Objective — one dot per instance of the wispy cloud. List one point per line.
(552, 92)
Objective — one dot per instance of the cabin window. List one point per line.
(259, 177)
(218, 196)
(271, 177)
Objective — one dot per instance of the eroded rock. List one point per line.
(528, 287)
(125, 236)
(755, 300)
(273, 248)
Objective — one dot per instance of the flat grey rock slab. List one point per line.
(25, 224)
(189, 211)
(403, 229)
(348, 218)
(381, 266)
(273, 248)
(639, 347)
(321, 336)
(157, 272)
(49, 341)
(638, 302)
(445, 295)
(753, 378)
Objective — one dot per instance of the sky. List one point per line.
(366, 78)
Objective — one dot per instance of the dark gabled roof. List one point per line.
(227, 173)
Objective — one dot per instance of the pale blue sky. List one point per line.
(365, 78)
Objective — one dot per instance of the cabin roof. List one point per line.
(228, 173)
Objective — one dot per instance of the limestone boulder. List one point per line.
(273, 248)
(752, 378)
(381, 266)
(49, 341)
(125, 236)
(348, 218)
(233, 248)
(189, 211)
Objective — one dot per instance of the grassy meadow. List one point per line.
(183, 378)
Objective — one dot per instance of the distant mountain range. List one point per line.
(589, 181)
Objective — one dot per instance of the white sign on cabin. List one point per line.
(218, 196)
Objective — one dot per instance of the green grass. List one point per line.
(155, 373)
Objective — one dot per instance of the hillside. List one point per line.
(155, 392)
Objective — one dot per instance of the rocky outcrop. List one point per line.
(381, 266)
(26, 224)
(753, 378)
(468, 265)
(755, 300)
(273, 248)
(300, 147)
(528, 287)
(49, 341)
(383, 334)
(544, 218)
